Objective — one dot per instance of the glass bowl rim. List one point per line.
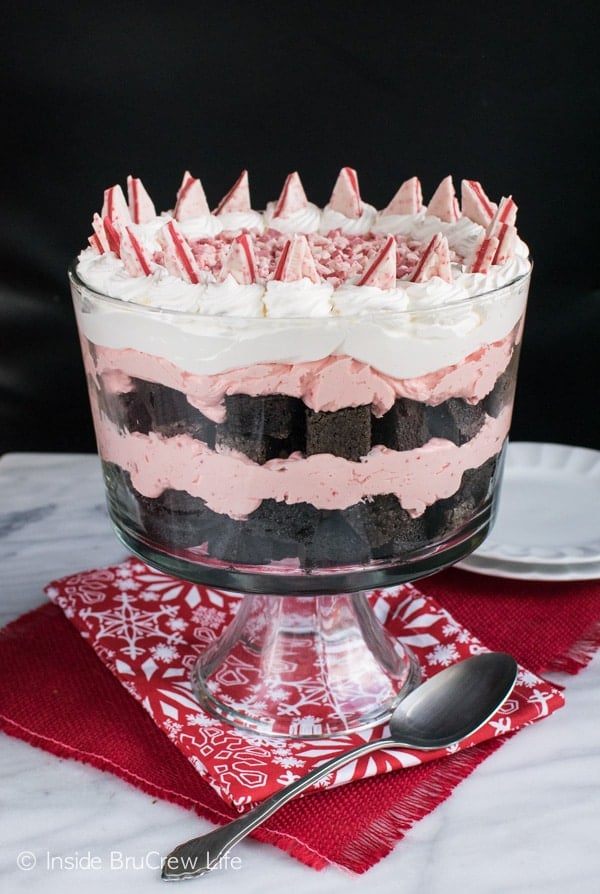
(378, 316)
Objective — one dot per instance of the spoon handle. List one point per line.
(199, 855)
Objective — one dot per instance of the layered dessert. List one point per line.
(302, 388)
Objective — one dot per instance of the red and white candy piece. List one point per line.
(238, 197)
(240, 263)
(115, 207)
(502, 227)
(345, 197)
(136, 259)
(507, 239)
(296, 261)
(435, 261)
(382, 272)
(177, 255)
(506, 214)
(484, 254)
(113, 235)
(191, 200)
(141, 206)
(444, 203)
(292, 198)
(98, 238)
(475, 204)
(408, 199)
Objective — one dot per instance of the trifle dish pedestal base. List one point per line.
(304, 666)
(314, 659)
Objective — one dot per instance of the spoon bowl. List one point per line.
(454, 703)
(442, 711)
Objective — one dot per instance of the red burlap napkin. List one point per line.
(44, 658)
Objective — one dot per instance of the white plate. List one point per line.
(520, 571)
(549, 508)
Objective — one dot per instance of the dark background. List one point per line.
(507, 94)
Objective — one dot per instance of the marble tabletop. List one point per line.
(527, 820)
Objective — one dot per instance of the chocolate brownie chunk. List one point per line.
(274, 531)
(125, 409)
(456, 420)
(178, 520)
(297, 521)
(476, 484)
(262, 428)
(238, 544)
(503, 392)
(403, 427)
(385, 526)
(345, 432)
(120, 493)
(171, 414)
(152, 407)
(336, 543)
(447, 516)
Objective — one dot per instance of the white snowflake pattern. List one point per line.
(286, 761)
(206, 616)
(172, 726)
(129, 569)
(527, 679)
(132, 625)
(199, 720)
(251, 702)
(149, 596)
(164, 652)
(451, 631)
(325, 782)
(278, 693)
(177, 624)
(126, 584)
(443, 654)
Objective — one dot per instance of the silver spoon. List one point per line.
(448, 707)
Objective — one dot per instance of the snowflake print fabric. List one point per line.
(149, 628)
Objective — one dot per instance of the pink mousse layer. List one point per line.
(234, 485)
(324, 385)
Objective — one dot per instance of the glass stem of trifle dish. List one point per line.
(307, 407)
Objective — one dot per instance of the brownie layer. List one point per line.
(275, 426)
(377, 528)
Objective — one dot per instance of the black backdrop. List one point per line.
(503, 93)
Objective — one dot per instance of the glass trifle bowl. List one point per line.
(296, 456)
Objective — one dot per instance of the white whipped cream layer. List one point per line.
(407, 344)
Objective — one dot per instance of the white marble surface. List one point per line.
(527, 820)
